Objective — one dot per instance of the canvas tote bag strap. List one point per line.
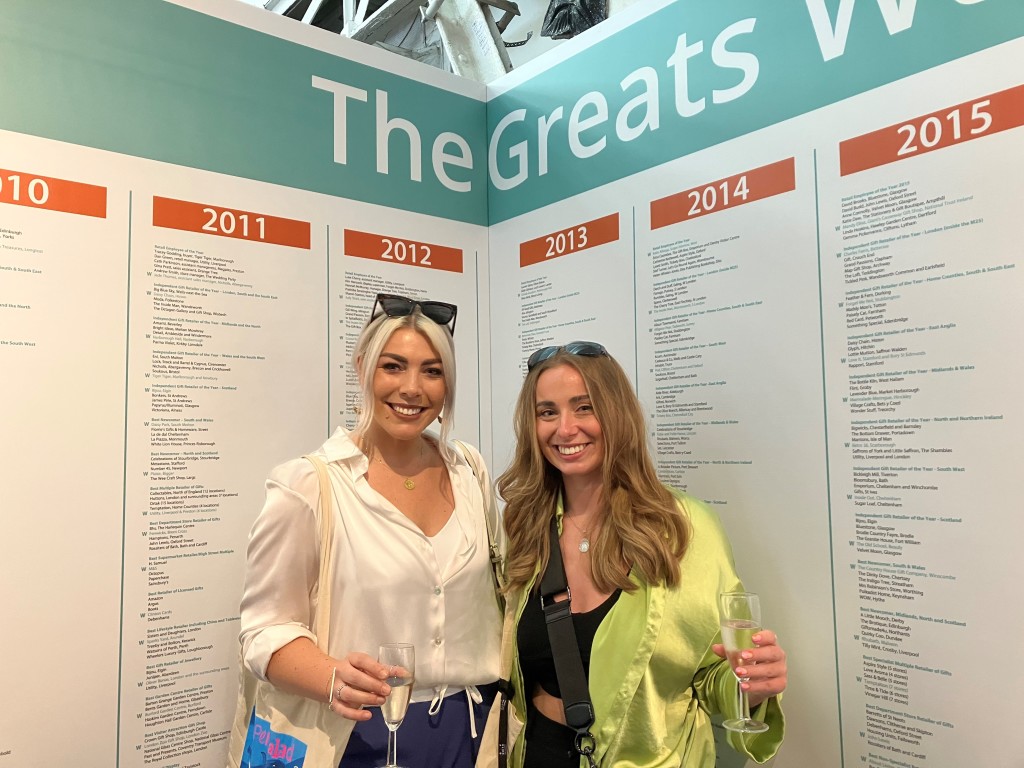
(503, 722)
(490, 511)
(494, 532)
(322, 621)
(296, 730)
(506, 690)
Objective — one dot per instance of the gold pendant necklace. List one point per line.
(408, 482)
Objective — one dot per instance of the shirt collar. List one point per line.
(340, 447)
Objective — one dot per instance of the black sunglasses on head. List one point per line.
(584, 348)
(391, 305)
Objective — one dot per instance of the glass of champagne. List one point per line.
(401, 660)
(740, 614)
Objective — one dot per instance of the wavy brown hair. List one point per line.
(642, 527)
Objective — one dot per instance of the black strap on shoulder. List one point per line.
(572, 682)
(505, 692)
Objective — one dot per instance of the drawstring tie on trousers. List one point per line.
(473, 696)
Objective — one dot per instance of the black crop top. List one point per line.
(535, 659)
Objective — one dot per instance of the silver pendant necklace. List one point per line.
(584, 545)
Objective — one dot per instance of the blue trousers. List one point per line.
(442, 740)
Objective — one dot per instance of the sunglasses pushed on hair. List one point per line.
(583, 348)
(391, 305)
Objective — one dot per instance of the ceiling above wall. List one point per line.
(477, 39)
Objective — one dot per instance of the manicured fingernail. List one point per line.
(746, 655)
(741, 672)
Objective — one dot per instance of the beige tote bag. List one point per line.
(271, 725)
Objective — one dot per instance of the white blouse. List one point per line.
(388, 584)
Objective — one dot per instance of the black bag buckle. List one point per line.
(556, 608)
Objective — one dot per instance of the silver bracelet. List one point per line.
(330, 693)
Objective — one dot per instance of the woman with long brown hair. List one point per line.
(644, 566)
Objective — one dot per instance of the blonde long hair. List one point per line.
(367, 352)
(643, 527)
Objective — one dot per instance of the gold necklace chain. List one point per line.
(408, 482)
(584, 545)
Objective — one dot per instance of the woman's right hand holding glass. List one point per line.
(764, 667)
(358, 683)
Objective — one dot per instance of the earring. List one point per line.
(357, 410)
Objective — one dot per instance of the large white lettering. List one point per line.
(543, 129)
(342, 93)
(449, 149)
(520, 153)
(640, 114)
(384, 128)
(578, 124)
(678, 61)
(746, 63)
(440, 158)
(651, 118)
(897, 14)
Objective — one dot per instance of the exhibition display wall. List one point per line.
(795, 226)
(184, 268)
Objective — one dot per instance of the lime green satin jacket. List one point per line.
(654, 681)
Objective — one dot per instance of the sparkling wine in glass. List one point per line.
(400, 658)
(740, 614)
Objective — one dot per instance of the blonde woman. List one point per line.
(644, 567)
(411, 555)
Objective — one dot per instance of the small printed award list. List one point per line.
(921, 276)
(19, 261)
(213, 287)
(32, 203)
(62, 374)
(712, 306)
(551, 300)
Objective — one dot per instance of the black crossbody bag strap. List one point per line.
(505, 694)
(579, 712)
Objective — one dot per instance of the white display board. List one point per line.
(168, 335)
(795, 227)
(818, 316)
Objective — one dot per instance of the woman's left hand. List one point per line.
(764, 666)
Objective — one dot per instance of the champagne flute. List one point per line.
(740, 614)
(401, 661)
